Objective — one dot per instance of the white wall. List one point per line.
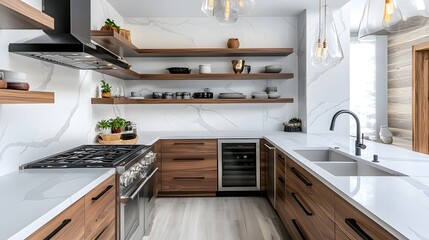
(29, 132)
(326, 90)
(207, 32)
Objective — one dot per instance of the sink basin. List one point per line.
(353, 169)
(340, 164)
(325, 155)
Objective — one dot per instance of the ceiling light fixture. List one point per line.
(227, 11)
(398, 16)
(327, 49)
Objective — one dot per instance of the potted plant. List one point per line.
(295, 122)
(117, 123)
(106, 89)
(293, 125)
(110, 25)
(104, 127)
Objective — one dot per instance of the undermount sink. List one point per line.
(340, 164)
(325, 155)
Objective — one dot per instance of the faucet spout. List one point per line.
(359, 141)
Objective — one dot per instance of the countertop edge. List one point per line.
(48, 216)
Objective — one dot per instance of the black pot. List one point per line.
(203, 95)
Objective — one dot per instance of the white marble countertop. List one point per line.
(399, 203)
(31, 198)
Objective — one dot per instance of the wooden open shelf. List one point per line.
(216, 76)
(124, 74)
(16, 14)
(118, 44)
(25, 97)
(187, 101)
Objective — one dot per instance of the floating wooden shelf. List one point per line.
(16, 14)
(115, 43)
(187, 101)
(25, 97)
(124, 74)
(216, 76)
(121, 46)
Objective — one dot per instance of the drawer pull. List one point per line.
(58, 229)
(309, 213)
(301, 177)
(102, 193)
(269, 147)
(189, 143)
(281, 157)
(101, 233)
(189, 178)
(357, 229)
(281, 180)
(301, 233)
(189, 159)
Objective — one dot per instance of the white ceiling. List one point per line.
(192, 8)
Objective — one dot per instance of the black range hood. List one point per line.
(69, 44)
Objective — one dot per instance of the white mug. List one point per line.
(205, 68)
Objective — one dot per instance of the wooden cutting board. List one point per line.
(18, 86)
(3, 84)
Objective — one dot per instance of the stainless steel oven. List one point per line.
(238, 165)
(137, 209)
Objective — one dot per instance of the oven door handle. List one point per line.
(126, 198)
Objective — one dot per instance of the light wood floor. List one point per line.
(221, 218)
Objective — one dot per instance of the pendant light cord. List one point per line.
(325, 17)
(320, 19)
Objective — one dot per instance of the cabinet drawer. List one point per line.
(355, 224)
(195, 181)
(292, 225)
(108, 233)
(339, 234)
(186, 146)
(314, 222)
(67, 225)
(316, 190)
(189, 162)
(99, 208)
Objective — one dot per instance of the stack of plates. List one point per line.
(259, 95)
(232, 96)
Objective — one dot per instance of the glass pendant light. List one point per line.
(327, 50)
(246, 6)
(207, 7)
(391, 16)
(226, 11)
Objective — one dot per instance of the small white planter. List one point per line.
(105, 131)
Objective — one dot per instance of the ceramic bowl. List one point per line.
(179, 70)
(273, 69)
(273, 95)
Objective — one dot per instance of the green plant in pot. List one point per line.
(106, 89)
(104, 127)
(117, 124)
(110, 25)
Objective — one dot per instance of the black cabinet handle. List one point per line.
(301, 233)
(301, 177)
(102, 193)
(58, 229)
(189, 143)
(189, 178)
(357, 229)
(309, 213)
(281, 180)
(189, 159)
(101, 233)
(281, 157)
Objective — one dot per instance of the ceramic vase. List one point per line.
(386, 135)
(233, 43)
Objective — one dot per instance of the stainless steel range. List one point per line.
(135, 167)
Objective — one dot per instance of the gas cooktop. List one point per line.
(90, 156)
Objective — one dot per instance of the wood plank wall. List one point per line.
(400, 83)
